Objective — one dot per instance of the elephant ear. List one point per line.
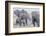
(17, 12)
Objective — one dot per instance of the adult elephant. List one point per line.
(35, 18)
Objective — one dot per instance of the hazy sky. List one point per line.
(29, 10)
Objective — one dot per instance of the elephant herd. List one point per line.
(23, 18)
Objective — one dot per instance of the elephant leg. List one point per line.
(23, 23)
(38, 23)
(20, 22)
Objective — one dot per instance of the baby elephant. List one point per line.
(21, 21)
